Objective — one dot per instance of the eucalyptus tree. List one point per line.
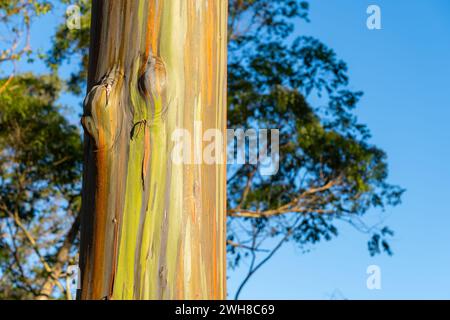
(153, 228)
(277, 78)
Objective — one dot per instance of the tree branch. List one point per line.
(62, 257)
(254, 268)
(292, 206)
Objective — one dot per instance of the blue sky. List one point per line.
(404, 71)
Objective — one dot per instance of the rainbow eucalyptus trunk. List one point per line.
(153, 228)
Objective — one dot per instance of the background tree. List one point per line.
(16, 17)
(40, 171)
(39, 166)
(328, 169)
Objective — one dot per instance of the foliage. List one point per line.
(69, 44)
(16, 17)
(40, 169)
(328, 170)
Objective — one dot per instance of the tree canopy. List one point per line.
(40, 168)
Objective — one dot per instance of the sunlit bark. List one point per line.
(152, 228)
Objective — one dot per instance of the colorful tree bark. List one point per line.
(152, 228)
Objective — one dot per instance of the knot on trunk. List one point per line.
(152, 86)
(101, 107)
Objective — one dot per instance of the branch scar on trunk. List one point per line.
(100, 109)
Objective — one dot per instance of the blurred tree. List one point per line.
(40, 168)
(16, 17)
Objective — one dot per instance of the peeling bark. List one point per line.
(153, 229)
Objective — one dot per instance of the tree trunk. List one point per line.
(153, 228)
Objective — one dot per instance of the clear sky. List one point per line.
(404, 71)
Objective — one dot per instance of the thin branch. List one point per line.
(7, 82)
(62, 257)
(17, 221)
(247, 187)
(292, 206)
(254, 268)
(275, 212)
(15, 217)
(15, 254)
(239, 245)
